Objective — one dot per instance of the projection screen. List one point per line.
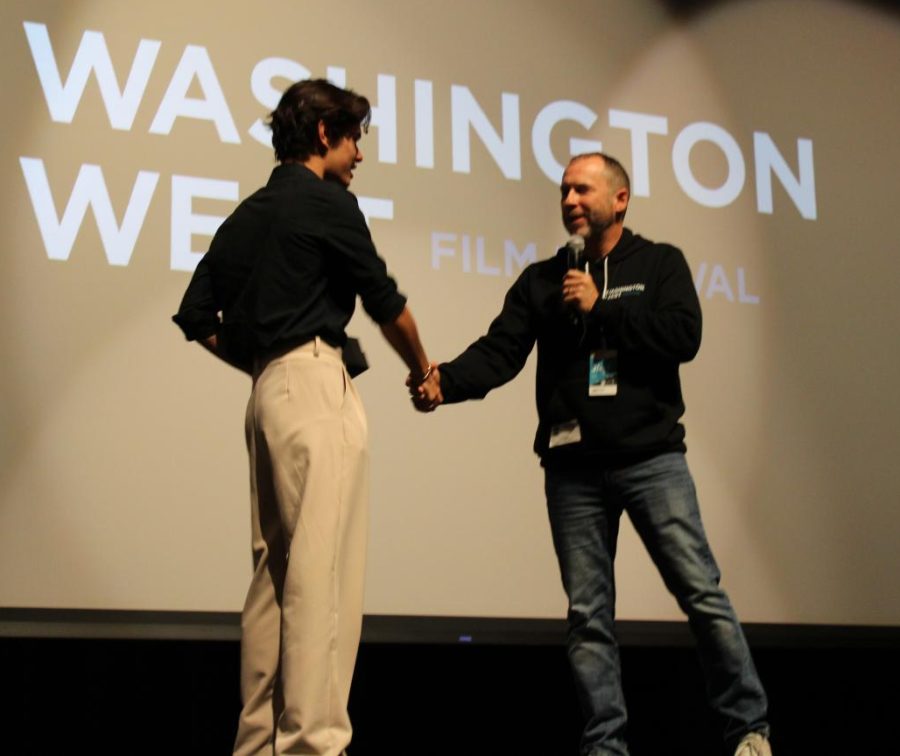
(760, 137)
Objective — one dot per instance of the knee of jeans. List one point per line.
(691, 574)
(589, 600)
(704, 601)
(593, 616)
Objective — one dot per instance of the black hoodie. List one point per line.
(650, 317)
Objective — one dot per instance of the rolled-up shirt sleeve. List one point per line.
(198, 315)
(349, 237)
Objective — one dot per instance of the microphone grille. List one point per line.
(576, 243)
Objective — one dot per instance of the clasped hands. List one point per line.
(425, 390)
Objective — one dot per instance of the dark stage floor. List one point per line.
(181, 697)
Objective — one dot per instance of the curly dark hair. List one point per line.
(295, 122)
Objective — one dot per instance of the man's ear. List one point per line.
(324, 143)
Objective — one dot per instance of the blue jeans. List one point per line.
(585, 505)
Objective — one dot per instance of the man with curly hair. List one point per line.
(272, 296)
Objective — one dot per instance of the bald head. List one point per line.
(616, 175)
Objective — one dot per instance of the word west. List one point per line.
(503, 143)
(119, 239)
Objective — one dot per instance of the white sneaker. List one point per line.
(753, 744)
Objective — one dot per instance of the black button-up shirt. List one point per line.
(286, 266)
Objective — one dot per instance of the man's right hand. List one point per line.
(426, 394)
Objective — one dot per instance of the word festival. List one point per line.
(466, 253)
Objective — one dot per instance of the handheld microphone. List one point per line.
(575, 260)
(575, 252)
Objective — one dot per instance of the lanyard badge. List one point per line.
(603, 368)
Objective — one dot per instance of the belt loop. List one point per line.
(316, 347)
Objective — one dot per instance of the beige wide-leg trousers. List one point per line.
(307, 440)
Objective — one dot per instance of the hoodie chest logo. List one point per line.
(631, 290)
